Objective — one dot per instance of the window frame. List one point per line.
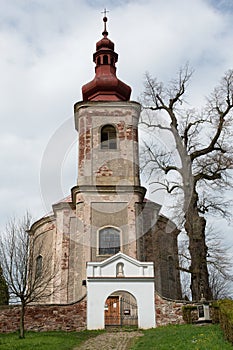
(39, 266)
(105, 144)
(117, 248)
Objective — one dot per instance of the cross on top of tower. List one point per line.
(105, 11)
(105, 19)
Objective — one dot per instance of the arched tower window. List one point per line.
(108, 137)
(109, 241)
(39, 265)
(105, 59)
(98, 61)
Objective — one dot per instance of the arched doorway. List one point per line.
(120, 309)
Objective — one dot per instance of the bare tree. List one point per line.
(220, 286)
(26, 266)
(219, 262)
(197, 168)
(4, 294)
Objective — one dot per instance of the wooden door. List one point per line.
(112, 311)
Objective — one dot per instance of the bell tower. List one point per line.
(108, 194)
(107, 123)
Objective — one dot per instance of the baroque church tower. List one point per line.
(107, 214)
(108, 194)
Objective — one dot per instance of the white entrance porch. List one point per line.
(120, 273)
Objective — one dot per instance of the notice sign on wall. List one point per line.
(126, 311)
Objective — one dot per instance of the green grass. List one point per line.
(183, 337)
(45, 340)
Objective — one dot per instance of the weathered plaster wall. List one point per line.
(96, 166)
(159, 244)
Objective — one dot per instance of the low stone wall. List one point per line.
(168, 311)
(73, 317)
(45, 317)
(171, 311)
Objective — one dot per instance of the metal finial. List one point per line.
(105, 19)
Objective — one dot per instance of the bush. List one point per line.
(226, 318)
(214, 312)
(189, 313)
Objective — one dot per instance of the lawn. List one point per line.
(45, 340)
(183, 337)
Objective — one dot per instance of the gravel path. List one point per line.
(110, 341)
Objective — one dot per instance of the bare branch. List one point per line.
(164, 186)
(219, 109)
(18, 260)
(184, 270)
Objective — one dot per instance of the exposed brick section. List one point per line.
(81, 149)
(65, 243)
(135, 134)
(45, 317)
(120, 112)
(121, 130)
(131, 133)
(104, 171)
(85, 137)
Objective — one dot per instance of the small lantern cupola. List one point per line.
(105, 86)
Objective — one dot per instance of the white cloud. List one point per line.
(46, 56)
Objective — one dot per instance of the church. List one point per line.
(108, 240)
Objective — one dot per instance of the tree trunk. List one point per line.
(21, 326)
(195, 227)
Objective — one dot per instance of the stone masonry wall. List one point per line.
(73, 317)
(45, 317)
(168, 311)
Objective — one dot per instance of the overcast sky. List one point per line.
(46, 50)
